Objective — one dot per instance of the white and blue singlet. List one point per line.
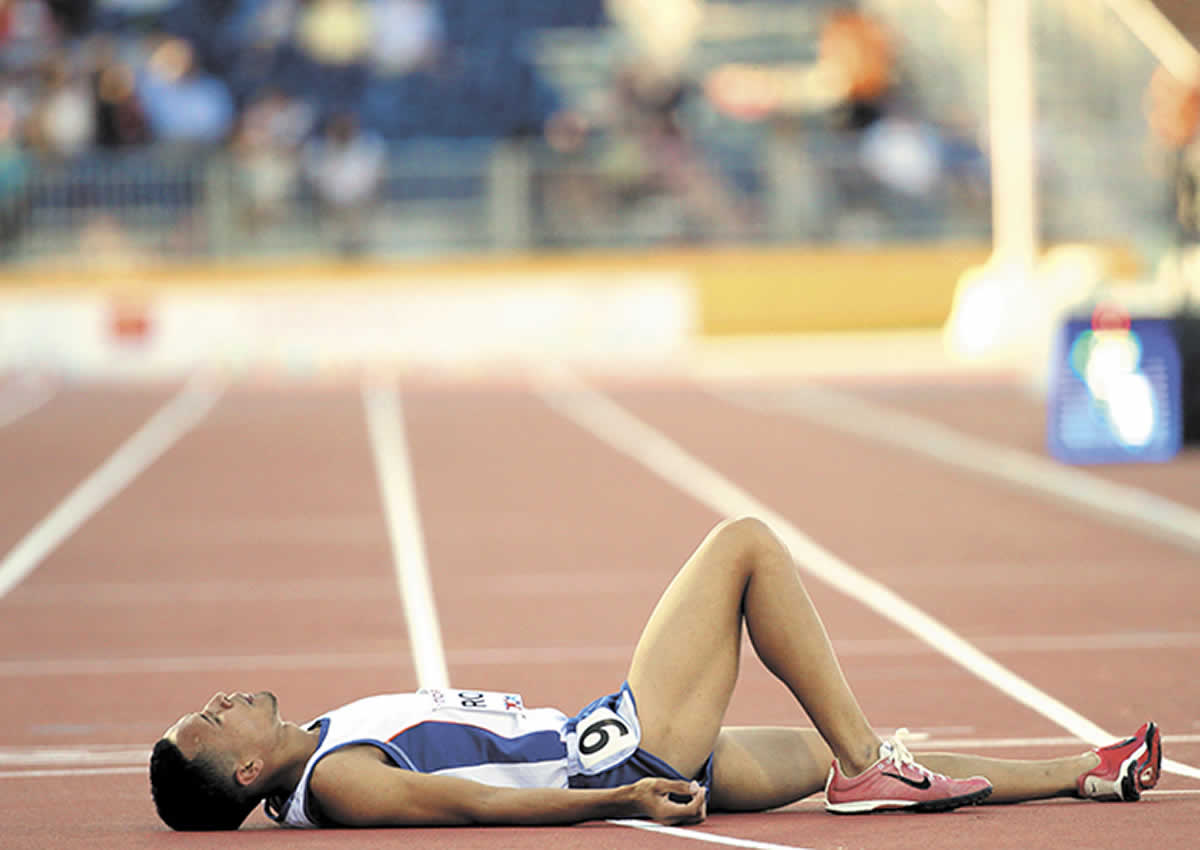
(489, 737)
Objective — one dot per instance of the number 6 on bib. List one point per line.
(605, 739)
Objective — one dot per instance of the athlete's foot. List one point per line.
(1126, 769)
(897, 781)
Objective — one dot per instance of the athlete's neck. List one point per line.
(295, 750)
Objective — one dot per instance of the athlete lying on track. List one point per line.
(462, 757)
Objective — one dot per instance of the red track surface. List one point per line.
(254, 554)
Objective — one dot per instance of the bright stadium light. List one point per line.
(1131, 409)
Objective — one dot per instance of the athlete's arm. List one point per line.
(358, 787)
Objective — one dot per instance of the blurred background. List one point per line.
(798, 165)
(181, 129)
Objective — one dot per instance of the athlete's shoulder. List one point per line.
(339, 782)
(348, 757)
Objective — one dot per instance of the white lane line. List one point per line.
(24, 396)
(146, 445)
(72, 771)
(389, 447)
(708, 837)
(932, 743)
(116, 594)
(1133, 507)
(619, 429)
(97, 754)
(500, 655)
(486, 657)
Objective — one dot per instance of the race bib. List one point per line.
(468, 700)
(605, 738)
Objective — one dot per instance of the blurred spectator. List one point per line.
(345, 167)
(63, 122)
(326, 58)
(14, 174)
(1173, 109)
(662, 31)
(182, 103)
(647, 156)
(648, 108)
(120, 121)
(904, 154)
(405, 35)
(852, 81)
(266, 153)
(334, 32)
(1173, 112)
(28, 32)
(858, 53)
(72, 16)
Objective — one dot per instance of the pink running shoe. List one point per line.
(1126, 769)
(896, 781)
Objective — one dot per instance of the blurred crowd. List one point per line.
(311, 88)
(310, 93)
(118, 73)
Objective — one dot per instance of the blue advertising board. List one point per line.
(1115, 391)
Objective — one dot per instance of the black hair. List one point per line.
(194, 794)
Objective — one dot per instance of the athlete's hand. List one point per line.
(670, 801)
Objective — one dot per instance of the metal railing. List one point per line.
(452, 198)
(439, 198)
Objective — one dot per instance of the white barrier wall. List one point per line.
(330, 327)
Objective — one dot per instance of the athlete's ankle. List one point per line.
(853, 763)
(1086, 763)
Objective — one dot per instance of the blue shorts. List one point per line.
(618, 712)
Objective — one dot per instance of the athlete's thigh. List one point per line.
(686, 661)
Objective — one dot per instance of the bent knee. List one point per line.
(747, 535)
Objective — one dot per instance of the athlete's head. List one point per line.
(211, 768)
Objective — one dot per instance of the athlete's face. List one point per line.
(237, 724)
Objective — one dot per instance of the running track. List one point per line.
(242, 542)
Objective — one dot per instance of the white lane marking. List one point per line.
(389, 447)
(24, 396)
(498, 655)
(1135, 508)
(932, 743)
(146, 445)
(708, 837)
(72, 771)
(35, 667)
(96, 754)
(106, 594)
(1031, 643)
(616, 427)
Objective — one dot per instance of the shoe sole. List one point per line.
(1134, 781)
(864, 807)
